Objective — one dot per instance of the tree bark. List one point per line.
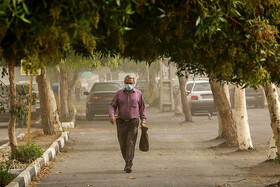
(63, 93)
(272, 150)
(225, 112)
(54, 111)
(221, 131)
(47, 124)
(184, 99)
(12, 119)
(177, 101)
(274, 111)
(241, 120)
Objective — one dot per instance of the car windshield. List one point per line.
(106, 87)
(202, 87)
(141, 84)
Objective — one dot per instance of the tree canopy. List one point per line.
(231, 40)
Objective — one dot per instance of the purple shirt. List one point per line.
(129, 106)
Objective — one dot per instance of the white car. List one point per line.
(200, 96)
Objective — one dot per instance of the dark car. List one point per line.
(100, 97)
(254, 97)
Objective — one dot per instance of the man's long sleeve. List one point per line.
(142, 109)
(113, 106)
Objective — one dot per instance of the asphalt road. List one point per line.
(181, 154)
(4, 132)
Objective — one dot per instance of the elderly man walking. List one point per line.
(130, 104)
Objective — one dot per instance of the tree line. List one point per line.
(229, 41)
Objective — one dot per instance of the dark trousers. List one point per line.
(127, 135)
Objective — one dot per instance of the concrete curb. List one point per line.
(27, 175)
(19, 137)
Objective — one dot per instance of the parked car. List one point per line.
(35, 108)
(255, 97)
(141, 85)
(100, 97)
(22, 88)
(200, 96)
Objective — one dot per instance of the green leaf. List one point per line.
(197, 21)
(223, 19)
(25, 20)
(237, 13)
(118, 2)
(2, 13)
(162, 16)
(128, 10)
(127, 28)
(161, 10)
(25, 8)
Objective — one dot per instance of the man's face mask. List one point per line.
(128, 87)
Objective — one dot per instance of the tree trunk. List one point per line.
(47, 124)
(184, 99)
(221, 131)
(225, 112)
(63, 93)
(177, 101)
(274, 111)
(12, 119)
(241, 120)
(71, 85)
(271, 155)
(54, 116)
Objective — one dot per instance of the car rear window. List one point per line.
(189, 87)
(106, 87)
(202, 87)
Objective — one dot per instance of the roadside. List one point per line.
(181, 154)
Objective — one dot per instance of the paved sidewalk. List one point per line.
(179, 156)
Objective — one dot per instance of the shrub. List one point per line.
(5, 176)
(28, 153)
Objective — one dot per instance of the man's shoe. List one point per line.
(128, 170)
(128, 166)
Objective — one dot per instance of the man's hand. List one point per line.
(143, 124)
(112, 119)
